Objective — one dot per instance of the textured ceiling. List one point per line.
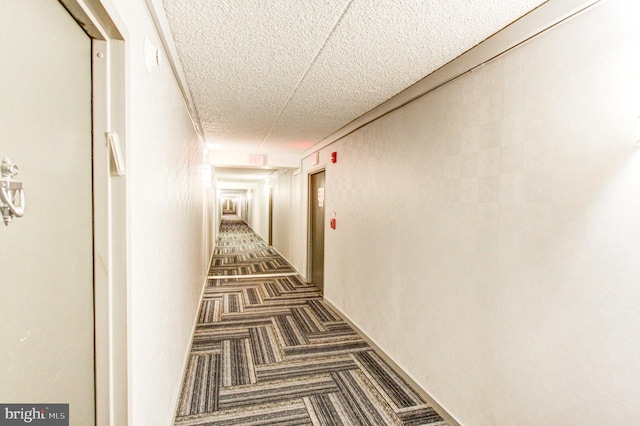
(277, 76)
(240, 177)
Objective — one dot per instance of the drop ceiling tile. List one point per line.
(272, 76)
(244, 59)
(380, 48)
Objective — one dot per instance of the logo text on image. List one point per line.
(36, 414)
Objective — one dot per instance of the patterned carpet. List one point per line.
(267, 350)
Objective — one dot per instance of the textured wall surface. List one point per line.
(168, 259)
(282, 214)
(297, 224)
(259, 211)
(488, 235)
(286, 215)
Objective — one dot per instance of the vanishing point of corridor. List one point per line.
(268, 350)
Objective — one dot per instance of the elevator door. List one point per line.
(316, 211)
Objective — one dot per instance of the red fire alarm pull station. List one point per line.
(333, 224)
(334, 157)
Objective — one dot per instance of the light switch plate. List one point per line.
(116, 153)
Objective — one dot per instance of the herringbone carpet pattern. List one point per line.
(267, 350)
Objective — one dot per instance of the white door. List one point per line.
(46, 257)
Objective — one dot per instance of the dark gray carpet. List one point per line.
(269, 351)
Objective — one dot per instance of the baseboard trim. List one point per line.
(291, 264)
(193, 333)
(424, 394)
(275, 274)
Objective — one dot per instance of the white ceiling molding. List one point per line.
(242, 178)
(159, 18)
(232, 158)
(532, 24)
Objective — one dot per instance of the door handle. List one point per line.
(10, 191)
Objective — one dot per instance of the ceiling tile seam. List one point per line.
(380, 110)
(306, 72)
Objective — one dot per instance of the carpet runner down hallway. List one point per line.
(267, 350)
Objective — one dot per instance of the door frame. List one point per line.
(110, 208)
(309, 220)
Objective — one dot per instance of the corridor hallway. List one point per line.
(267, 350)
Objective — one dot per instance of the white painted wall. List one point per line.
(286, 213)
(168, 214)
(297, 224)
(492, 227)
(258, 218)
(213, 215)
(282, 213)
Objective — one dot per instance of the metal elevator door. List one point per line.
(316, 212)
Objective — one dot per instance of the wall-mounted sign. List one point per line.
(257, 160)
